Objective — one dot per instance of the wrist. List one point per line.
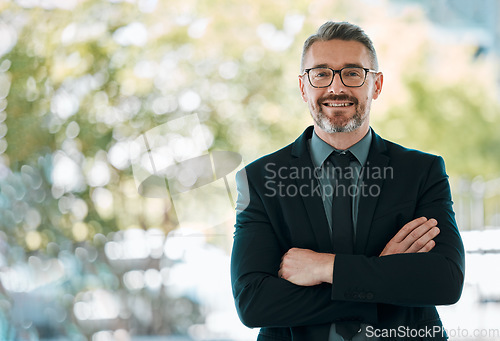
(326, 274)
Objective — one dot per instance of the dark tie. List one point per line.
(342, 226)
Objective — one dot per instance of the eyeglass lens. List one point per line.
(350, 76)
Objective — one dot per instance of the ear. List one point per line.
(302, 89)
(377, 87)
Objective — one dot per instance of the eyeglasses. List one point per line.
(322, 77)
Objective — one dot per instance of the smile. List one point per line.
(338, 104)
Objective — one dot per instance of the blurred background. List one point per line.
(99, 100)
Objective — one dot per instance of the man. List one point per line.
(337, 234)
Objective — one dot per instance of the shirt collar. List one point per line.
(320, 150)
(361, 149)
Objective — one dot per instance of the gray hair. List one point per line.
(342, 31)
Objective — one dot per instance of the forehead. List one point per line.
(337, 53)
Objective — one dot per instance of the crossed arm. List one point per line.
(427, 259)
(307, 268)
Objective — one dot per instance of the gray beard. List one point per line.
(329, 127)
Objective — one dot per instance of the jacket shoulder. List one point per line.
(408, 154)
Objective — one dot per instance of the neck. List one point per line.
(343, 141)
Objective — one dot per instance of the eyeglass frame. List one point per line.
(340, 75)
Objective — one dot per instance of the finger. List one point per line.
(417, 233)
(412, 231)
(429, 246)
(286, 254)
(282, 265)
(407, 228)
(424, 240)
(281, 273)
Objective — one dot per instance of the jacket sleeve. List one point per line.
(418, 279)
(264, 300)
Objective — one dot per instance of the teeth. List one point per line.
(338, 104)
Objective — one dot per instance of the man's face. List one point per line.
(338, 108)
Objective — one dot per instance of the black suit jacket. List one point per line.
(279, 208)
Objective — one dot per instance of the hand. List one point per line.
(306, 267)
(416, 236)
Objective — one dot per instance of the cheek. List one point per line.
(310, 96)
(364, 97)
(307, 96)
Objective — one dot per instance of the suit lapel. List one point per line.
(377, 161)
(313, 203)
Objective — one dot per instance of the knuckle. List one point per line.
(394, 250)
(407, 228)
(419, 244)
(414, 234)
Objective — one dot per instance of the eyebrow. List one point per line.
(345, 65)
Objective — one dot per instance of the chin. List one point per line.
(330, 127)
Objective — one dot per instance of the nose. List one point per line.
(336, 87)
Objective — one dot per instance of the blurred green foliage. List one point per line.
(458, 121)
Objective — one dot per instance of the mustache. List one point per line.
(338, 98)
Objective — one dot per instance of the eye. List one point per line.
(353, 73)
(320, 73)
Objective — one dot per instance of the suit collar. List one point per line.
(378, 144)
(299, 147)
(321, 150)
